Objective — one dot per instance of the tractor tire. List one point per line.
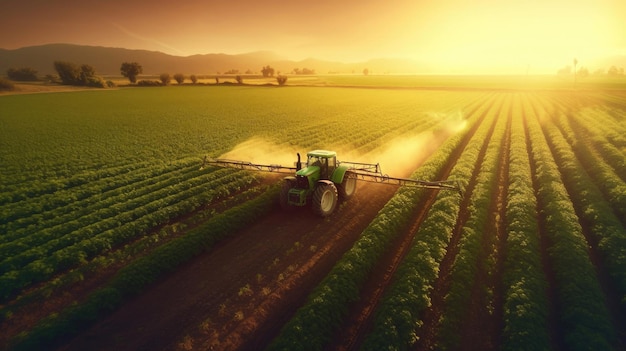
(347, 188)
(284, 194)
(325, 199)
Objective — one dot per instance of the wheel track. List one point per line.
(355, 328)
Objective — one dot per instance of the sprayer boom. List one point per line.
(368, 172)
(247, 166)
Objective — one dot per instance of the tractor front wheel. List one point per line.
(325, 199)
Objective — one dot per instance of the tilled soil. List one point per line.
(239, 294)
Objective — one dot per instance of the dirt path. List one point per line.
(241, 292)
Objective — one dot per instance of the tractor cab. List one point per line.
(325, 160)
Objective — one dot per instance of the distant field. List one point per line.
(102, 195)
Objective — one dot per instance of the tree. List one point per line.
(131, 70)
(83, 75)
(239, 80)
(194, 78)
(267, 71)
(86, 74)
(179, 78)
(68, 72)
(281, 80)
(22, 74)
(615, 72)
(366, 72)
(165, 78)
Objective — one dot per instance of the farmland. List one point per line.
(113, 237)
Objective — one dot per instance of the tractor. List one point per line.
(324, 180)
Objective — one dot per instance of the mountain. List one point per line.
(107, 61)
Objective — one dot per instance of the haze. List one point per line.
(446, 36)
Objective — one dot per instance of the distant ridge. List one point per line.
(107, 61)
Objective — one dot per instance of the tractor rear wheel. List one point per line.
(325, 199)
(284, 194)
(347, 188)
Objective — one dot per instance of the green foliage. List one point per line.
(131, 70)
(525, 309)
(22, 74)
(83, 75)
(583, 312)
(149, 83)
(165, 78)
(133, 278)
(179, 78)
(282, 80)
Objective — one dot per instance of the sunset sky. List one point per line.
(457, 36)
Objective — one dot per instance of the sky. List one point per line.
(448, 36)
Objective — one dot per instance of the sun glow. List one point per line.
(506, 35)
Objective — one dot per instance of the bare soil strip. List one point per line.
(244, 289)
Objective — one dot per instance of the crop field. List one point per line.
(112, 235)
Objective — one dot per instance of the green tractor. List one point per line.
(322, 182)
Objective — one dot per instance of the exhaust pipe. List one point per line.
(298, 164)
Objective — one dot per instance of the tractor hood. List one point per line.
(307, 171)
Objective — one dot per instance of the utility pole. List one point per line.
(575, 63)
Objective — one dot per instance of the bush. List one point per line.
(149, 83)
(22, 74)
(95, 82)
(6, 85)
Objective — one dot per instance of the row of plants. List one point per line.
(399, 316)
(110, 213)
(473, 236)
(597, 213)
(607, 180)
(313, 325)
(582, 312)
(611, 154)
(67, 284)
(525, 310)
(136, 276)
(62, 205)
(40, 263)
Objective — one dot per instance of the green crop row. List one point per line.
(473, 236)
(109, 214)
(314, 323)
(597, 213)
(40, 263)
(398, 318)
(592, 136)
(581, 304)
(611, 185)
(525, 309)
(66, 205)
(133, 278)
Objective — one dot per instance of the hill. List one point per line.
(107, 61)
